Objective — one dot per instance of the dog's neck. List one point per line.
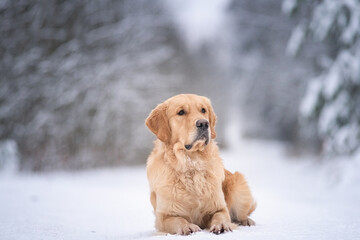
(182, 160)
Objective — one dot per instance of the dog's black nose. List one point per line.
(202, 124)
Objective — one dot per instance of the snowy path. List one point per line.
(294, 202)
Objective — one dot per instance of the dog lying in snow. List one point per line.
(190, 189)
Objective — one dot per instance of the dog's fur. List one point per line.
(190, 189)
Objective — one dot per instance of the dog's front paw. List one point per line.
(188, 229)
(221, 228)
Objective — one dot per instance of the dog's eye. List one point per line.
(203, 110)
(181, 112)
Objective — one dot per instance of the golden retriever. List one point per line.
(190, 189)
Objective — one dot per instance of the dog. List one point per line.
(189, 188)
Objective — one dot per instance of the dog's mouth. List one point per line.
(202, 136)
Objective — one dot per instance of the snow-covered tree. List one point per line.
(74, 76)
(333, 97)
(268, 84)
(78, 78)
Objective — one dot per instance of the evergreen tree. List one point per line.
(332, 100)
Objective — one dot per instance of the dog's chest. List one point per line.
(196, 192)
(196, 182)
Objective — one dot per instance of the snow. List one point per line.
(9, 156)
(295, 41)
(352, 29)
(297, 198)
(310, 99)
(288, 6)
(324, 14)
(200, 21)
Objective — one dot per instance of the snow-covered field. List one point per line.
(296, 200)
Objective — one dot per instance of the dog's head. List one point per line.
(186, 118)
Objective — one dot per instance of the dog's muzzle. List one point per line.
(202, 126)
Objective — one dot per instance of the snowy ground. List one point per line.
(295, 201)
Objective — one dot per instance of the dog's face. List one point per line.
(187, 119)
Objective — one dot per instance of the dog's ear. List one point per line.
(212, 118)
(158, 123)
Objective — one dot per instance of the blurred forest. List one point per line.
(78, 78)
